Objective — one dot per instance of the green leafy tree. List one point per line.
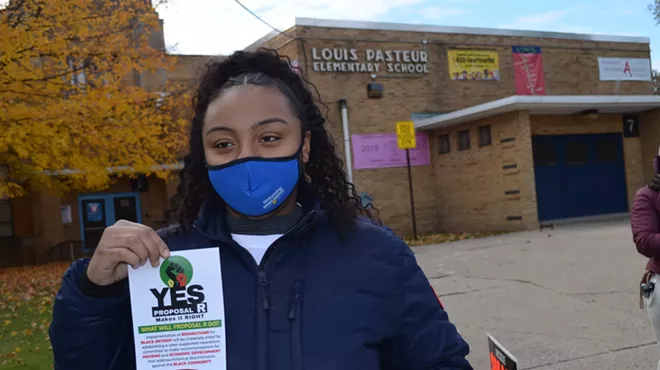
(655, 9)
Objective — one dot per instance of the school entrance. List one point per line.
(579, 175)
(99, 211)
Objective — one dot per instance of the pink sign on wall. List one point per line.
(528, 70)
(381, 151)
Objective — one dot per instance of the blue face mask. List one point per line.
(255, 186)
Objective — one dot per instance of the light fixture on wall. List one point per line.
(375, 90)
(591, 114)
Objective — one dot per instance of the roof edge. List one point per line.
(268, 37)
(387, 26)
(409, 27)
(118, 169)
(523, 102)
(262, 40)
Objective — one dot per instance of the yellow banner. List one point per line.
(473, 64)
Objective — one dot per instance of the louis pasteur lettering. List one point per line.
(348, 60)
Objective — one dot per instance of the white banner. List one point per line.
(624, 69)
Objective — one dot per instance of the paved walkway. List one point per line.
(558, 299)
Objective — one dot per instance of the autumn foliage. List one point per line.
(72, 95)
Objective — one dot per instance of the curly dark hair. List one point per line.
(324, 170)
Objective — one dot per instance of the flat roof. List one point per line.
(544, 105)
(386, 26)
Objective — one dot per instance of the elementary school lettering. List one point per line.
(373, 61)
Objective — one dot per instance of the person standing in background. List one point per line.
(645, 224)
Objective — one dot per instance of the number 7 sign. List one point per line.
(630, 126)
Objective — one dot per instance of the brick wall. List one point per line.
(486, 187)
(564, 125)
(45, 229)
(570, 68)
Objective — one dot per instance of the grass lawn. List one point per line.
(26, 299)
(447, 237)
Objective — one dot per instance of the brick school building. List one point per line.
(514, 128)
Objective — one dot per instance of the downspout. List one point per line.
(347, 139)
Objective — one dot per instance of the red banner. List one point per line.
(528, 70)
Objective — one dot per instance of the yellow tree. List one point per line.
(71, 105)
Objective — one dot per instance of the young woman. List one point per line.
(307, 283)
(645, 222)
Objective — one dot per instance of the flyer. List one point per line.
(500, 358)
(178, 312)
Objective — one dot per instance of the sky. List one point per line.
(222, 26)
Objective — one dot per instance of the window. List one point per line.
(78, 71)
(137, 77)
(607, 150)
(576, 153)
(484, 135)
(6, 224)
(6, 219)
(443, 144)
(545, 154)
(463, 140)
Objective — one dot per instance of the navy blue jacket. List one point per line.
(316, 302)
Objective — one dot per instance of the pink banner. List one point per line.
(528, 70)
(381, 151)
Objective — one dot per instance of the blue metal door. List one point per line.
(579, 175)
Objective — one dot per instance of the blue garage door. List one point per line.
(579, 175)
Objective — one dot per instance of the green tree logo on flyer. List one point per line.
(176, 271)
(179, 299)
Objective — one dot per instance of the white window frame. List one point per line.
(78, 77)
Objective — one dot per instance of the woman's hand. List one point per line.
(122, 244)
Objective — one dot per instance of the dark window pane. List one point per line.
(463, 140)
(443, 144)
(6, 225)
(5, 211)
(484, 135)
(607, 150)
(126, 209)
(94, 221)
(6, 229)
(545, 154)
(576, 153)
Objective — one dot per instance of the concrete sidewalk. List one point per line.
(558, 299)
